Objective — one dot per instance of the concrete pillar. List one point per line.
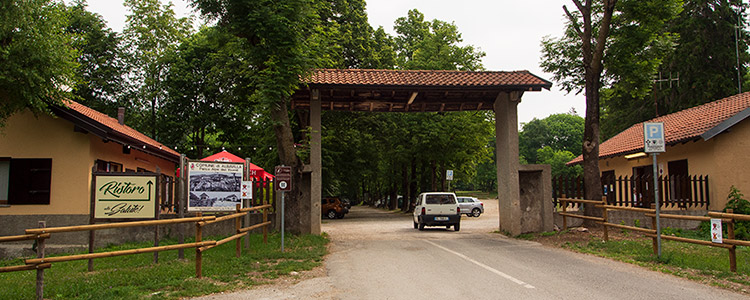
(316, 163)
(506, 142)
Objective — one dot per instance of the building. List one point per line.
(708, 140)
(46, 163)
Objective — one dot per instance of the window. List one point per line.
(107, 166)
(25, 181)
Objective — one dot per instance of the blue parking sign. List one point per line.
(653, 137)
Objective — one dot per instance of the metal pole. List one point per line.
(658, 205)
(282, 221)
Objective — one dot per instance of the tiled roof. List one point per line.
(681, 126)
(425, 78)
(123, 130)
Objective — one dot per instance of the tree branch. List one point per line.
(573, 22)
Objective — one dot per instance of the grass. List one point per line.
(136, 277)
(696, 262)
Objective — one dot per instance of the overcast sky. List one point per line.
(509, 31)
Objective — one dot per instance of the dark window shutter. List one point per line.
(30, 181)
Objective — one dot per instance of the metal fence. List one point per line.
(681, 191)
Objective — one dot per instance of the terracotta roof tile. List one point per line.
(425, 78)
(113, 124)
(681, 126)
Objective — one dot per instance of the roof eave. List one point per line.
(728, 123)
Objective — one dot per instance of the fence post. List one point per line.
(604, 216)
(265, 219)
(733, 250)
(198, 254)
(181, 203)
(564, 204)
(40, 271)
(238, 226)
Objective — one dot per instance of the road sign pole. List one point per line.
(658, 205)
(282, 221)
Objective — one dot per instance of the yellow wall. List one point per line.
(28, 137)
(73, 155)
(724, 158)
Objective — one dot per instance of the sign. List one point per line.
(449, 175)
(247, 190)
(653, 137)
(283, 178)
(214, 186)
(125, 196)
(716, 231)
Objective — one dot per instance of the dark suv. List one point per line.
(333, 208)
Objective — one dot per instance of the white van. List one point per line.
(437, 209)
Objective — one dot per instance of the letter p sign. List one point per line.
(653, 137)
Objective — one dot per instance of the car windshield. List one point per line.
(440, 199)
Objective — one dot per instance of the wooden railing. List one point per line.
(41, 234)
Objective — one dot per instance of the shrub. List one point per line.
(738, 205)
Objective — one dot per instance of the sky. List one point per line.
(508, 31)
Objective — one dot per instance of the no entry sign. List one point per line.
(283, 178)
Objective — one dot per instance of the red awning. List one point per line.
(256, 172)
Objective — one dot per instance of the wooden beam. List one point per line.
(371, 103)
(442, 107)
(390, 106)
(351, 106)
(412, 97)
(479, 107)
(331, 105)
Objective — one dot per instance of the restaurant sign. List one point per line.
(125, 196)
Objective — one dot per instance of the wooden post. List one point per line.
(604, 216)
(265, 219)
(733, 250)
(198, 254)
(92, 237)
(158, 203)
(181, 202)
(156, 243)
(249, 202)
(238, 226)
(654, 242)
(40, 271)
(564, 205)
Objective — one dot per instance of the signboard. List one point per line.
(716, 231)
(449, 175)
(125, 196)
(283, 178)
(214, 186)
(246, 190)
(653, 137)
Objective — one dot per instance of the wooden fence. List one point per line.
(637, 191)
(41, 234)
(729, 218)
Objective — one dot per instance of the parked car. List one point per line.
(333, 208)
(471, 206)
(437, 209)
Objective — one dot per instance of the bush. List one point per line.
(738, 205)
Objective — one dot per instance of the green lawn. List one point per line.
(136, 277)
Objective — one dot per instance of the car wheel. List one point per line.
(421, 226)
(415, 225)
(457, 226)
(476, 212)
(331, 214)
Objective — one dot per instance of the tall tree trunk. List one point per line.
(592, 63)
(433, 183)
(405, 187)
(287, 155)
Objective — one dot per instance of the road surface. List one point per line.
(379, 255)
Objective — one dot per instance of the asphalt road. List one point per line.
(378, 255)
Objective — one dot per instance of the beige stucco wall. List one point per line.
(45, 137)
(724, 158)
(73, 155)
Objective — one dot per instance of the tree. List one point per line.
(102, 70)
(561, 132)
(583, 23)
(432, 45)
(37, 61)
(557, 160)
(151, 31)
(707, 60)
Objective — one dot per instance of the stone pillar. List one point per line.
(316, 163)
(506, 142)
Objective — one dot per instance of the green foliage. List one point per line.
(432, 45)
(561, 132)
(637, 223)
(738, 205)
(37, 61)
(557, 160)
